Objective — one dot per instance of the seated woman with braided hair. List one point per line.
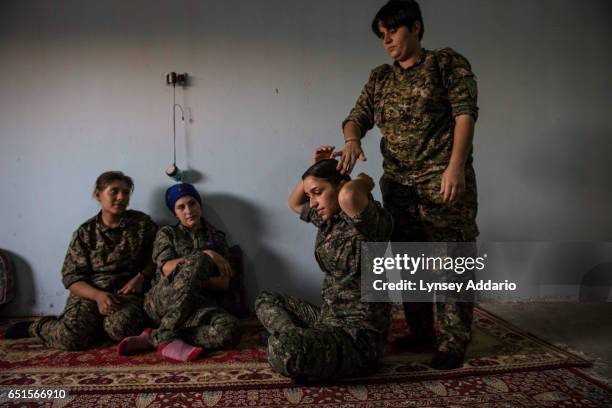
(345, 336)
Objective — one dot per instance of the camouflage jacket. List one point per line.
(177, 241)
(338, 253)
(414, 109)
(107, 258)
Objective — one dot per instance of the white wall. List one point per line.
(83, 92)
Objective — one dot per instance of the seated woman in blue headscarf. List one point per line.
(193, 262)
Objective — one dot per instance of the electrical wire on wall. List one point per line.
(172, 78)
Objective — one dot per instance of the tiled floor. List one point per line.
(582, 326)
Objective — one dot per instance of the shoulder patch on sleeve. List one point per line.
(165, 230)
(472, 88)
(74, 237)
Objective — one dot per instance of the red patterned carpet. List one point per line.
(505, 367)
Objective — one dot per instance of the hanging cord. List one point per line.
(174, 105)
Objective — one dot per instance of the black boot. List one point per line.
(19, 330)
(446, 360)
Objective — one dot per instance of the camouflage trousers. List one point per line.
(81, 325)
(420, 216)
(302, 347)
(179, 305)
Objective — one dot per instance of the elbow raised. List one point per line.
(351, 200)
(294, 207)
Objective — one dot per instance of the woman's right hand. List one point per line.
(351, 152)
(107, 303)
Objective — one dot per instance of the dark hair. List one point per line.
(397, 13)
(108, 177)
(326, 170)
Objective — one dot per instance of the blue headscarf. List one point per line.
(174, 193)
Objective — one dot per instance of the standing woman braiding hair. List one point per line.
(425, 105)
(106, 268)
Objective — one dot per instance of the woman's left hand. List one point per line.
(135, 285)
(452, 184)
(323, 152)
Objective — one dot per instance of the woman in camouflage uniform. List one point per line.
(106, 269)
(193, 273)
(345, 336)
(425, 107)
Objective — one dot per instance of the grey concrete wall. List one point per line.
(83, 93)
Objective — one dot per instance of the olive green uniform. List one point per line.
(345, 336)
(179, 303)
(415, 110)
(105, 258)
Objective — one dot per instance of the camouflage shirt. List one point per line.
(338, 253)
(414, 109)
(175, 241)
(107, 258)
(178, 241)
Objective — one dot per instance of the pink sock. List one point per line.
(134, 344)
(179, 350)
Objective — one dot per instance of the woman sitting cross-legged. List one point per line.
(192, 260)
(345, 336)
(106, 268)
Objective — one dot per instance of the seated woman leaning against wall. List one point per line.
(193, 266)
(107, 266)
(345, 336)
